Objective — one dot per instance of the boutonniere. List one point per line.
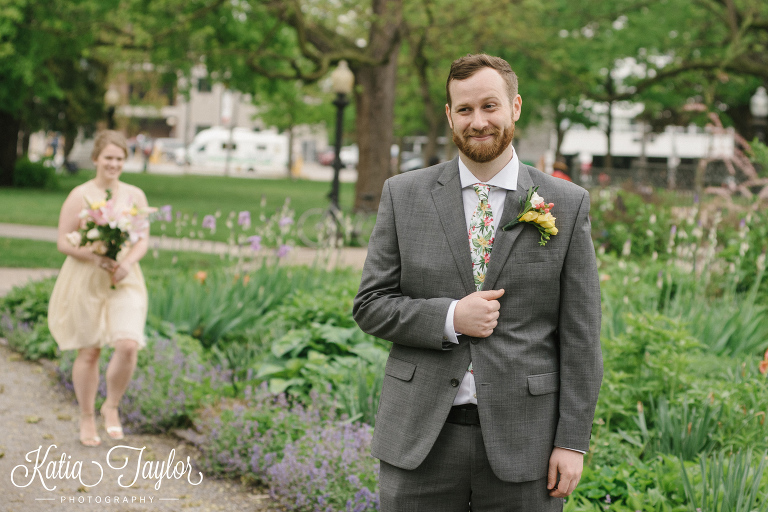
(536, 211)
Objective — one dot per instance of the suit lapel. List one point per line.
(504, 240)
(450, 209)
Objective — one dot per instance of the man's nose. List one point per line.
(479, 121)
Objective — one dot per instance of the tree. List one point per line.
(44, 68)
(285, 105)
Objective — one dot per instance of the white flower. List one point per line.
(536, 199)
(74, 238)
(93, 234)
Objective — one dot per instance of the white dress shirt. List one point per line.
(504, 180)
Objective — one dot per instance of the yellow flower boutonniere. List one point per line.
(537, 212)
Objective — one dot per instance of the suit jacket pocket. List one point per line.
(400, 369)
(535, 255)
(544, 383)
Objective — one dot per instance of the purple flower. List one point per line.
(607, 498)
(255, 242)
(209, 221)
(283, 251)
(673, 231)
(244, 219)
(285, 221)
(165, 213)
(742, 223)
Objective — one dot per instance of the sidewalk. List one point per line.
(36, 413)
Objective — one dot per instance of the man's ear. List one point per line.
(448, 115)
(517, 105)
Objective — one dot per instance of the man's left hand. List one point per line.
(569, 465)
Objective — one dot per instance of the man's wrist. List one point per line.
(449, 333)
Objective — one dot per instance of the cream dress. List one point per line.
(84, 311)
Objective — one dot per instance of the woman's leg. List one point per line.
(85, 378)
(119, 373)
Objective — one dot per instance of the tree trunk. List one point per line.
(9, 141)
(608, 165)
(26, 135)
(375, 106)
(290, 151)
(70, 134)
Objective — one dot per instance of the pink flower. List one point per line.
(488, 221)
(283, 251)
(487, 258)
(255, 242)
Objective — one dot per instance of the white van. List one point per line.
(250, 152)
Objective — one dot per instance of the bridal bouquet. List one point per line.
(107, 229)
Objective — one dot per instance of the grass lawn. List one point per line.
(187, 194)
(19, 253)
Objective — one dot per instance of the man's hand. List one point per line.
(476, 314)
(569, 465)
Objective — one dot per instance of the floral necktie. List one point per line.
(480, 238)
(481, 235)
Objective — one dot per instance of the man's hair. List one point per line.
(104, 139)
(464, 67)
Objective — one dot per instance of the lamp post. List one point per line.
(758, 106)
(343, 79)
(111, 99)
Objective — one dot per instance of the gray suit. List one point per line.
(538, 374)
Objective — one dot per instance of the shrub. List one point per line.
(170, 384)
(728, 483)
(328, 469)
(29, 174)
(24, 320)
(246, 437)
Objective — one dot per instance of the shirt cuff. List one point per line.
(573, 450)
(449, 334)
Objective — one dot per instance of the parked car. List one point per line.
(326, 157)
(413, 163)
(350, 155)
(250, 151)
(168, 146)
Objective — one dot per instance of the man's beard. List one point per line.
(482, 152)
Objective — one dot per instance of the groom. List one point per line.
(491, 383)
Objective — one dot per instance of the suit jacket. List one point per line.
(538, 374)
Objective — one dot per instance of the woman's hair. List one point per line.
(105, 138)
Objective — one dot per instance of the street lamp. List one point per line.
(111, 99)
(758, 106)
(342, 79)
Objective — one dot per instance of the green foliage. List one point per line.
(317, 344)
(728, 482)
(759, 156)
(34, 175)
(221, 306)
(629, 486)
(31, 341)
(683, 431)
(623, 222)
(244, 438)
(29, 303)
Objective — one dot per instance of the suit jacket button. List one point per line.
(475, 341)
(454, 382)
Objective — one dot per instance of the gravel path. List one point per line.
(35, 413)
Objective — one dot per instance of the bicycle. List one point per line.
(330, 227)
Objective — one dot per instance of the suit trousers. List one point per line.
(456, 477)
